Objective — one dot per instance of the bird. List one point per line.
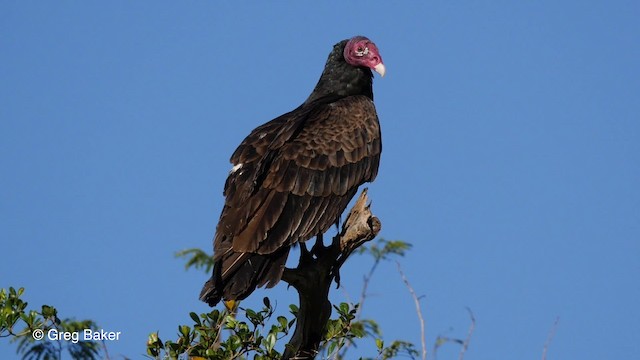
(292, 177)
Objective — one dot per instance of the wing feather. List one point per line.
(269, 211)
(316, 183)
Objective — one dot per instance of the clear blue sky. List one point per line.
(511, 160)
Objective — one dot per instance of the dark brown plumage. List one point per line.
(295, 175)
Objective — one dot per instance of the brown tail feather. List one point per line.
(253, 271)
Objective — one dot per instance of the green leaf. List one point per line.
(379, 344)
(334, 327)
(230, 322)
(234, 342)
(49, 311)
(213, 316)
(283, 322)
(344, 308)
(184, 331)
(195, 318)
(293, 309)
(153, 338)
(270, 341)
(357, 329)
(332, 348)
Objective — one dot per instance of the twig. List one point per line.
(550, 336)
(365, 285)
(363, 296)
(472, 327)
(106, 352)
(416, 300)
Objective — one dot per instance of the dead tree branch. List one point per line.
(552, 333)
(472, 327)
(416, 300)
(365, 286)
(315, 273)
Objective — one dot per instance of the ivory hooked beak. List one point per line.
(380, 69)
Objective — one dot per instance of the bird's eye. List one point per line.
(361, 51)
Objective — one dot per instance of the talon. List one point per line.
(305, 255)
(336, 241)
(336, 276)
(318, 247)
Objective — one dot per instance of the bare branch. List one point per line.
(550, 336)
(363, 297)
(365, 286)
(106, 351)
(416, 300)
(472, 327)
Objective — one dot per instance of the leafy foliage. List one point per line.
(204, 339)
(258, 333)
(42, 333)
(382, 249)
(196, 258)
(342, 329)
(397, 348)
(253, 336)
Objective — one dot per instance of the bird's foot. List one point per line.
(318, 248)
(306, 257)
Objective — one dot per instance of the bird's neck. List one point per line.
(339, 80)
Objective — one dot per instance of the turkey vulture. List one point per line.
(293, 176)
